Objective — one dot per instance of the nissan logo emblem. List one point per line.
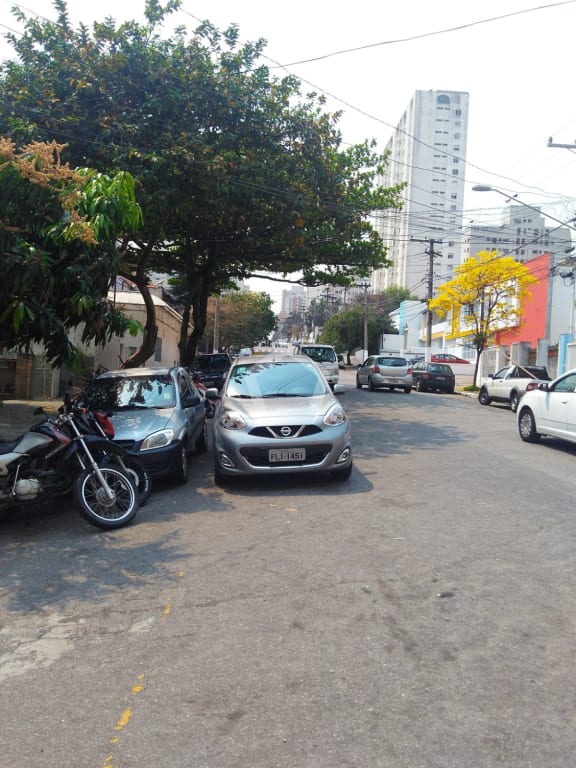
(286, 431)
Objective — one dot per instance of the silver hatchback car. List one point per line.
(389, 371)
(276, 414)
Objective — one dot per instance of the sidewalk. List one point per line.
(17, 416)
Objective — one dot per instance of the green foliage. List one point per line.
(244, 319)
(57, 250)
(237, 172)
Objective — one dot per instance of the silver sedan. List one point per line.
(276, 414)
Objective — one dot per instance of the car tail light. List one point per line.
(532, 385)
(409, 370)
(375, 369)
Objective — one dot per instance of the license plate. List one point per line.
(293, 454)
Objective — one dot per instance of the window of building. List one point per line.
(455, 172)
(158, 351)
(442, 99)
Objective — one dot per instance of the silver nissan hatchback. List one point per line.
(276, 414)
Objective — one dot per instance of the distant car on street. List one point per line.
(510, 383)
(433, 377)
(445, 357)
(385, 371)
(212, 368)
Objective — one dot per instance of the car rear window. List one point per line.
(393, 362)
(534, 370)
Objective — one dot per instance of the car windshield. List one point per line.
(275, 379)
(320, 354)
(132, 392)
(439, 368)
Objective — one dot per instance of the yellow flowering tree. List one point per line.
(487, 294)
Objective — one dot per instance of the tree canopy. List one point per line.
(243, 319)
(486, 295)
(345, 330)
(58, 228)
(238, 173)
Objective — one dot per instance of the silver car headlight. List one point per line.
(335, 415)
(232, 420)
(157, 440)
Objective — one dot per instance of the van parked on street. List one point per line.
(326, 357)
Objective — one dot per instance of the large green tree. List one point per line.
(58, 249)
(243, 319)
(345, 330)
(238, 173)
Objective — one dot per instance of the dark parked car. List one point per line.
(212, 368)
(157, 413)
(430, 377)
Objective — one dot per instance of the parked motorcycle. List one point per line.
(99, 423)
(55, 457)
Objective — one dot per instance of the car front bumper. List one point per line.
(237, 453)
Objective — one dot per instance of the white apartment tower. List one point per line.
(428, 154)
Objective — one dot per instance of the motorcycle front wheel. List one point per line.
(137, 472)
(97, 508)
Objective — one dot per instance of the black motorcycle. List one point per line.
(56, 457)
(99, 423)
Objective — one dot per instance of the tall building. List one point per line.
(428, 154)
(522, 233)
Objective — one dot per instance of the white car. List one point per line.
(550, 409)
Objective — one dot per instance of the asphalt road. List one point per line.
(421, 615)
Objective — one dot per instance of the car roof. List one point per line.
(273, 357)
(133, 372)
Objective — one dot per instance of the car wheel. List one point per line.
(201, 445)
(371, 386)
(527, 427)
(181, 471)
(407, 390)
(341, 475)
(514, 401)
(358, 383)
(483, 398)
(420, 386)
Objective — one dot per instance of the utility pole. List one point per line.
(364, 286)
(430, 253)
(216, 339)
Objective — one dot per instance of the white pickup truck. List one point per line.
(509, 384)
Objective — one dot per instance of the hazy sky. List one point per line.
(514, 57)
